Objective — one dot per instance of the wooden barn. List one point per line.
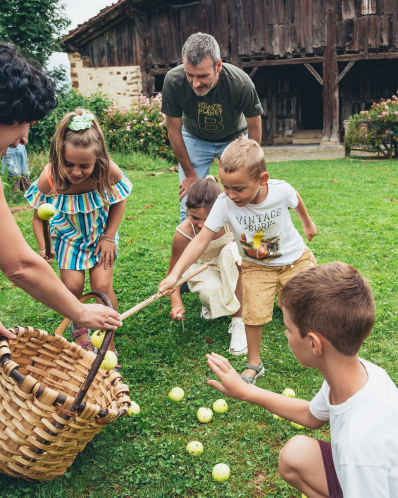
(313, 62)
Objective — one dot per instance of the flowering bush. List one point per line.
(140, 128)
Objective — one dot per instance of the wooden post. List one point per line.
(330, 86)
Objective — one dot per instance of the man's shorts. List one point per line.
(334, 487)
(261, 283)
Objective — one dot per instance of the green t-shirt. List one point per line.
(220, 115)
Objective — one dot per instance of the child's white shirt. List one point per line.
(271, 237)
(364, 434)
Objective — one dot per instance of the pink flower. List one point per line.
(141, 140)
(396, 113)
(134, 121)
(145, 119)
(128, 128)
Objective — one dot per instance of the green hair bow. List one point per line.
(82, 122)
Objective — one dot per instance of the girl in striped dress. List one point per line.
(89, 192)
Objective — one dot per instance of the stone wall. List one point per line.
(122, 84)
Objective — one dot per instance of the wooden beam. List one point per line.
(363, 56)
(282, 62)
(345, 71)
(253, 72)
(314, 73)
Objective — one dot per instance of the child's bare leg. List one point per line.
(253, 335)
(239, 294)
(102, 280)
(301, 465)
(74, 281)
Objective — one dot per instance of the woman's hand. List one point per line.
(6, 333)
(231, 382)
(168, 283)
(44, 255)
(177, 310)
(107, 251)
(98, 316)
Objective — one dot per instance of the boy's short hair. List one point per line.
(243, 153)
(335, 300)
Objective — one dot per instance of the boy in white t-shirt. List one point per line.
(329, 311)
(257, 211)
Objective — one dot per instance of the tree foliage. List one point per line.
(34, 26)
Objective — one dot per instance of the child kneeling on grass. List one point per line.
(220, 286)
(329, 311)
(272, 250)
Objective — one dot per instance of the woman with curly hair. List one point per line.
(26, 96)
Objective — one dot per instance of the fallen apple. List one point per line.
(221, 472)
(289, 393)
(110, 361)
(204, 415)
(303, 495)
(276, 417)
(220, 406)
(195, 448)
(298, 427)
(97, 338)
(46, 211)
(176, 394)
(134, 409)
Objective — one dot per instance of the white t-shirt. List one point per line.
(264, 233)
(364, 433)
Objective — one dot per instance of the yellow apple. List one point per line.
(110, 361)
(176, 394)
(220, 406)
(97, 338)
(298, 427)
(289, 393)
(134, 409)
(221, 472)
(276, 417)
(195, 448)
(46, 211)
(204, 415)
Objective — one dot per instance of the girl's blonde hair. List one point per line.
(91, 139)
(203, 193)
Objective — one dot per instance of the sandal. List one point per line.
(260, 371)
(77, 332)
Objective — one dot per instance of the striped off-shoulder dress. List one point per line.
(78, 223)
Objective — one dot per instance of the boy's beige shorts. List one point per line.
(261, 283)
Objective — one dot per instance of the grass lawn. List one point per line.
(354, 205)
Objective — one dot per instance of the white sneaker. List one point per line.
(238, 338)
(206, 314)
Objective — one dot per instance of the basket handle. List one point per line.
(100, 356)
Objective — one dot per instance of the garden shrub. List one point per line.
(141, 128)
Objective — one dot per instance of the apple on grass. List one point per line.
(195, 448)
(298, 427)
(204, 415)
(97, 338)
(276, 417)
(176, 394)
(220, 406)
(221, 472)
(289, 393)
(134, 409)
(46, 211)
(110, 361)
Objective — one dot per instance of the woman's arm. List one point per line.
(27, 270)
(192, 252)
(38, 231)
(179, 244)
(302, 213)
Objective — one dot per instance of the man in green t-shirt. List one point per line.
(207, 105)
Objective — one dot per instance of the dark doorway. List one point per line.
(311, 101)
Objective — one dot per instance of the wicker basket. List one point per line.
(44, 422)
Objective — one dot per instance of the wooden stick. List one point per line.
(47, 239)
(160, 294)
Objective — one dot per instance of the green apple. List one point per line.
(220, 406)
(204, 415)
(176, 394)
(195, 448)
(303, 495)
(276, 417)
(110, 361)
(134, 409)
(289, 393)
(46, 211)
(221, 472)
(97, 338)
(298, 427)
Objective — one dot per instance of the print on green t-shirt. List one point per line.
(219, 116)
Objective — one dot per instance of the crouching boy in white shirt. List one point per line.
(329, 311)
